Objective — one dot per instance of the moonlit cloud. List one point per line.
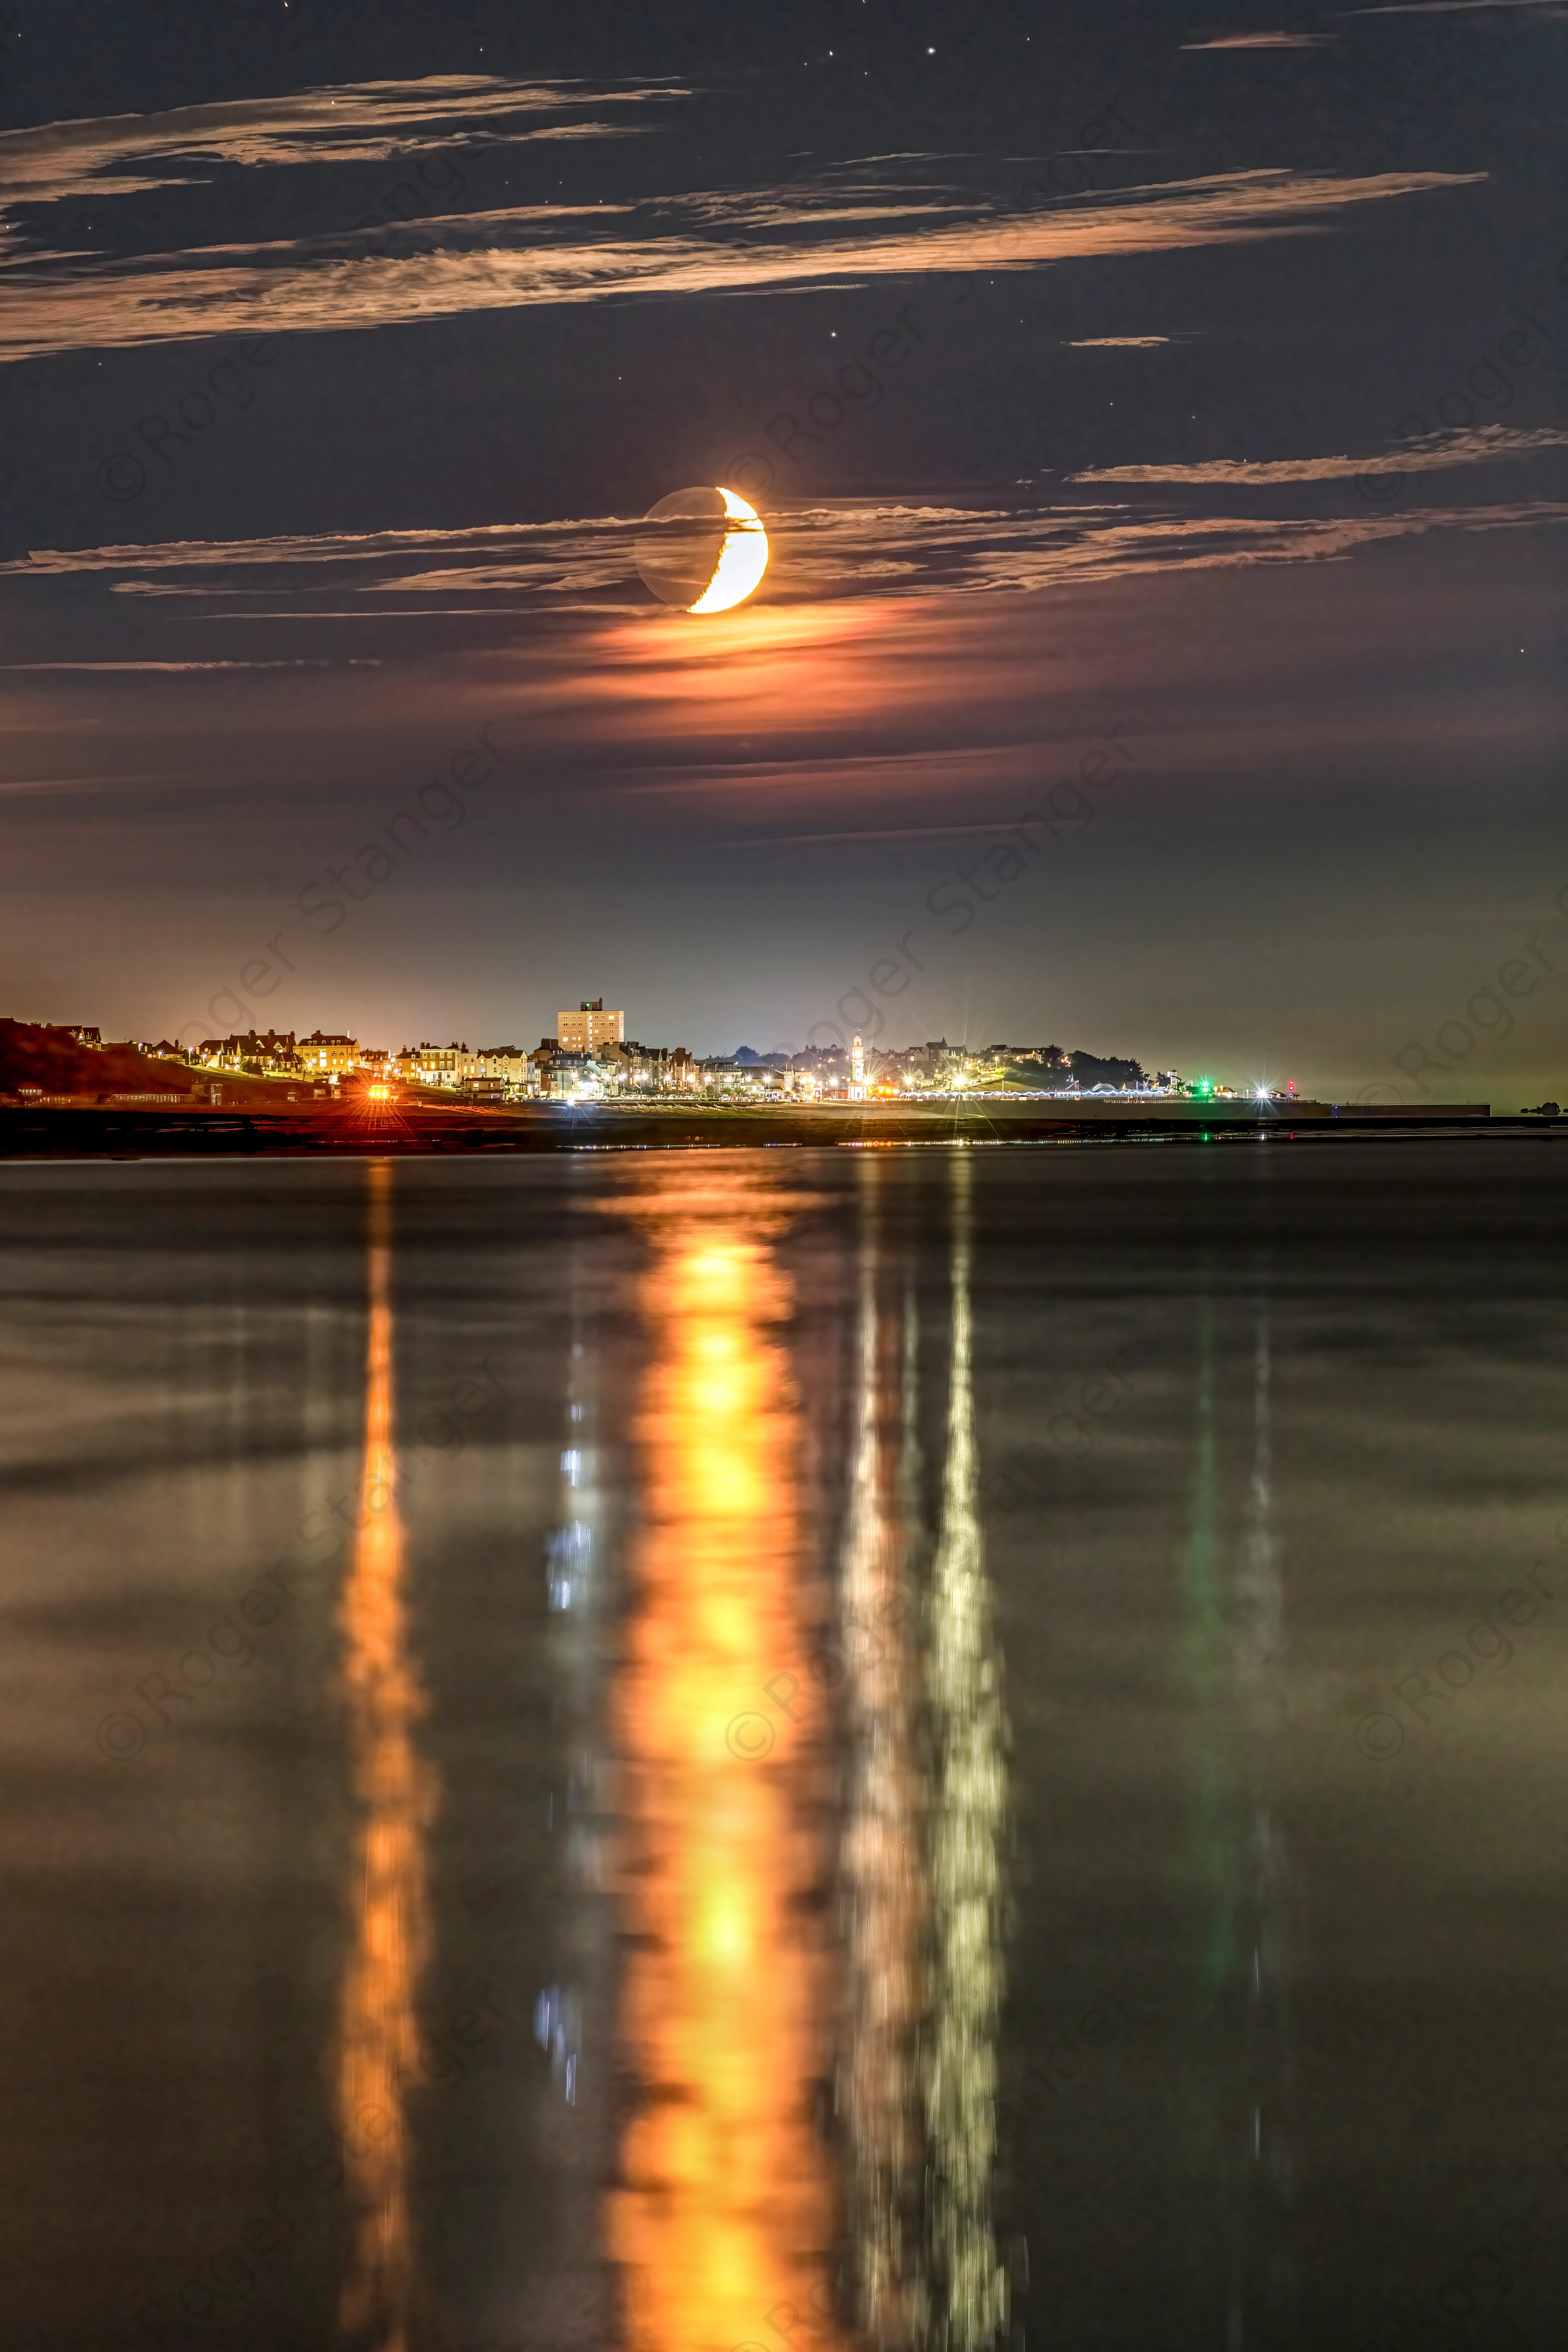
(32, 787)
(869, 833)
(743, 241)
(1263, 41)
(1486, 445)
(984, 553)
(305, 548)
(363, 122)
(1451, 7)
(294, 662)
(832, 554)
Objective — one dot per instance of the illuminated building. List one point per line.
(571, 1077)
(503, 1069)
(325, 1054)
(444, 1066)
(589, 1027)
(272, 1050)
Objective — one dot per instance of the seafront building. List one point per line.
(504, 1074)
(589, 1057)
(268, 1051)
(324, 1054)
(437, 1066)
(589, 1027)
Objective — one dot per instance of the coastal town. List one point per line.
(589, 1057)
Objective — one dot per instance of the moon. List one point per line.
(706, 553)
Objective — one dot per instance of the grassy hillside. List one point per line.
(31, 1056)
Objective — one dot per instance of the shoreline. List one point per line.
(59, 1131)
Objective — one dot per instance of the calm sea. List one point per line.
(722, 1750)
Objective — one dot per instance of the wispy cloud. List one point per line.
(1263, 41)
(717, 243)
(36, 787)
(842, 554)
(1058, 548)
(317, 662)
(1486, 445)
(297, 548)
(1450, 8)
(869, 833)
(358, 122)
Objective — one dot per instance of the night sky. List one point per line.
(1157, 415)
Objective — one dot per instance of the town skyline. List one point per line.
(564, 1065)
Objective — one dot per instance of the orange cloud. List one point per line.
(1487, 444)
(833, 562)
(748, 241)
(357, 123)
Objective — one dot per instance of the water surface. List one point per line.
(687, 1750)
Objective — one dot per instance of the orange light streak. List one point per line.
(396, 1792)
(883, 1898)
(725, 2210)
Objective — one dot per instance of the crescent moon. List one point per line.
(709, 553)
(742, 558)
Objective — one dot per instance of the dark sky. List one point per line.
(1157, 415)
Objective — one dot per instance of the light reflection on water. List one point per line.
(736, 2196)
(725, 2210)
(968, 1806)
(274, 2026)
(884, 1895)
(395, 1789)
